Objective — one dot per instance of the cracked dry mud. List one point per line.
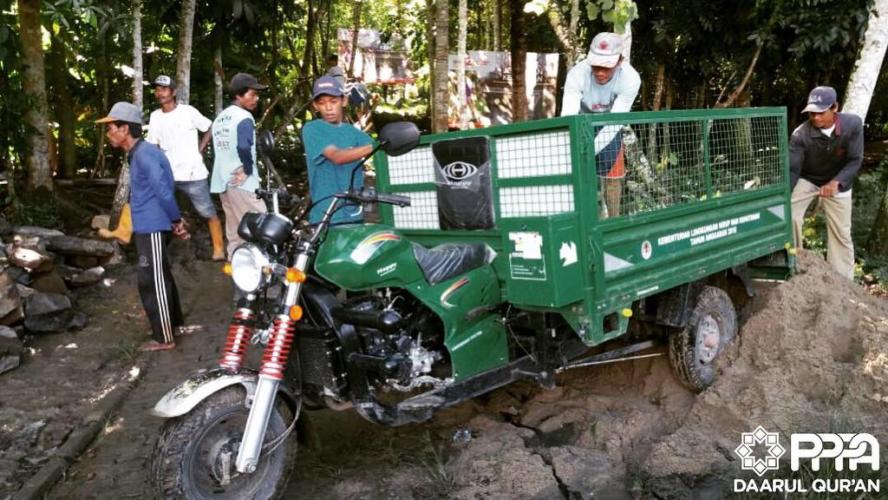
(811, 357)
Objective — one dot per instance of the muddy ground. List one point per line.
(812, 356)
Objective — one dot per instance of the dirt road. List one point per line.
(811, 357)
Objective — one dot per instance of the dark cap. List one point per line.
(327, 85)
(243, 81)
(164, 81)
(820, 99)
(123, 112)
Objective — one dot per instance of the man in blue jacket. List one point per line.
(155, 215)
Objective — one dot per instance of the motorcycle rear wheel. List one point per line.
(195, 454)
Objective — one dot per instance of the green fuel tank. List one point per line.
(358, 257)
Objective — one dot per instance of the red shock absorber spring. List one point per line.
(239, 334)
(280, 342)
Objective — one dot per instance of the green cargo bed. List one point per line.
(704, 191)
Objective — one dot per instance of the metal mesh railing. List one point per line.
(744, 153)
(422, 212)
(415, 167)
(642, 166)
(533, 155)
(649, 166)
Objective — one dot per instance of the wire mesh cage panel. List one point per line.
(422, 212)
(415, 167)
(644, 162)
(533, 155)
(532, 201)
(743, 153)
(647, 166)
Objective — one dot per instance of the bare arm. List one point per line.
(348, 155)
(205, 139)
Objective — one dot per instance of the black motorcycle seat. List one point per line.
(446, 261)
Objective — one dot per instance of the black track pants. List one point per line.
(156, 285)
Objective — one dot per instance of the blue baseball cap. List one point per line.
(820, 99)
(327, 85)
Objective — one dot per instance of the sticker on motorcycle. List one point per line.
(646, 250)
(568, 253)
(451, 290)
(366, 248)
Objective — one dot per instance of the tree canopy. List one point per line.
(691, 53)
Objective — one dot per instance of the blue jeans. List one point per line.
(199, 194)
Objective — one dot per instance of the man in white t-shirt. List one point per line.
(174, 128)
(604, 83)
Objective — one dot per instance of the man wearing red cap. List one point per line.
(604, 83)
(825, 154)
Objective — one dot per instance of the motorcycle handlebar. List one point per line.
(394, 199)
(369, 195)
(283, 196)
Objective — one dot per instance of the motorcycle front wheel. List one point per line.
(195, 454)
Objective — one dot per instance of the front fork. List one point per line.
(271, 373)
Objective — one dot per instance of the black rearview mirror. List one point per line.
(398, 138)
(265, 142)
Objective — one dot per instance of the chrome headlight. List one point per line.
(248, 264)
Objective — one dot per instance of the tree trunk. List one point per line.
(5, 119)
(627, 43)
(658, 99)
(325, 41)
(727, 103)
(863, 79)
(34, 87)
(310, 30)
(218, 78)
(356, 25)
(564, 35)
(519, 58)
(497, 24)
(64, 106)
(461, 63)
(138, 71)
(861, 86)
(183, 64)
(441, 85)
(103, 77)
(430, 53)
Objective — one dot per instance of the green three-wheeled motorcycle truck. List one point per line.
(501, 254)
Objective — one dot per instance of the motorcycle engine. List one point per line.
(407, 335)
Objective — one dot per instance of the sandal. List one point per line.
(153, 345)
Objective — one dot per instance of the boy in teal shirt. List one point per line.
(332, 150)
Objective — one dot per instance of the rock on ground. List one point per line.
(10, 349)
(47, 312)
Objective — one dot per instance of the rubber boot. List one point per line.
(124, 231)
(216, 235)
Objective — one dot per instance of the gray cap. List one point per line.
(164, 81)
(124, 112)
(820, 99)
